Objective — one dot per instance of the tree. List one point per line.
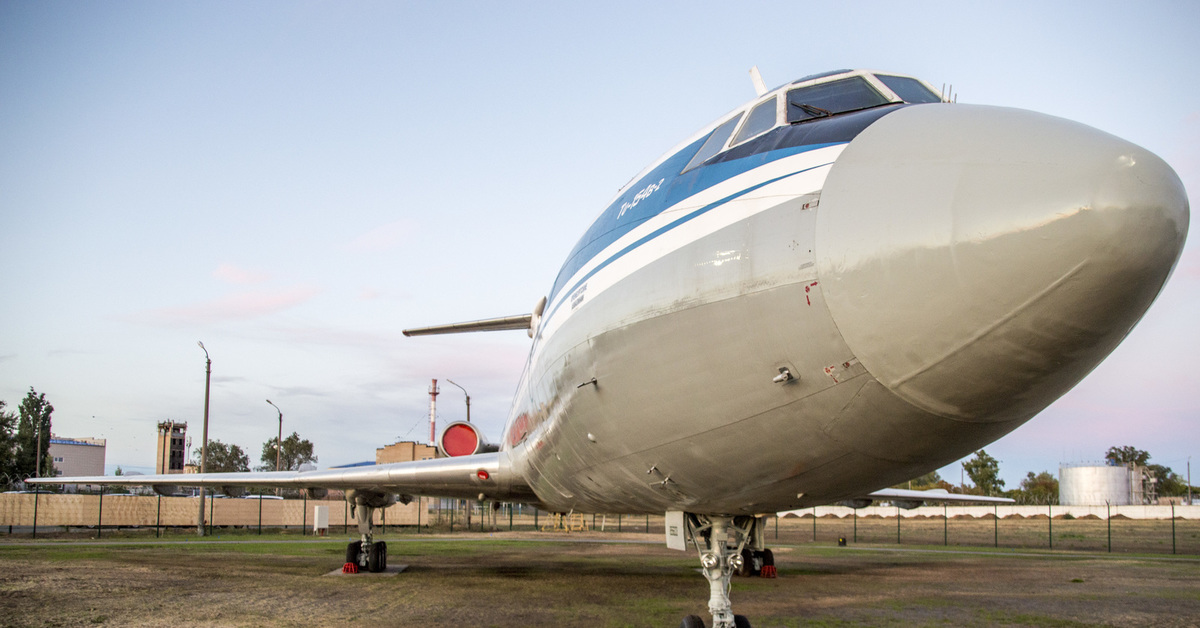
(223, 458)
(1041, 488)
(295, 453)
(33, 436)
(8, 445)
(984, 471)
(1169, 483)
(1127, 455)
(924, 482)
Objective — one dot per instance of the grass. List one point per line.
(538, 580)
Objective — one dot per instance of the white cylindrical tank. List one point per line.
(1094, 485)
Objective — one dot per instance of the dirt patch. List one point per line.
(544, 580)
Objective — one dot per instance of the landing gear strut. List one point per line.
(726, 545)
(366, 553)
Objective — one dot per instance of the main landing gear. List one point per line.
(366, 554)
(727, 546)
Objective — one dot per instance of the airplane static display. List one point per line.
(842, 284)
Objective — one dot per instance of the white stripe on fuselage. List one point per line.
(808, 169)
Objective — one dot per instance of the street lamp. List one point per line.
(468, 400)
(278, 441)
(204, 444)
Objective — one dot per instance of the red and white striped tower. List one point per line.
(433, 393)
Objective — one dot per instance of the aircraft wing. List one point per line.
(935, 495)
(486, 476)
(503, 323)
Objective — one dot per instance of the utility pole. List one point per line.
(278, 441)
(468, 399)
(204, 445)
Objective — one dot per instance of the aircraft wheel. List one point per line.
(692, 621)
(352, 552)
(740, 621)
(377, 557)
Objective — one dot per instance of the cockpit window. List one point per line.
(760, 120)
(826, 99)
(714, 143)
(909, 89)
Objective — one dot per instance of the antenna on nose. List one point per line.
(760, 87)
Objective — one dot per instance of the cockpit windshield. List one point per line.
(825, 99)
(910, 89)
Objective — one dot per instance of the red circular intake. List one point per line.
(460, 439)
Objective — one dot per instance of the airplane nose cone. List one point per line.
(980, 261)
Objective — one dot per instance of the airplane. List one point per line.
(844, 283)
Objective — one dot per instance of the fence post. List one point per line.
(1108, 522)
(814, 524)
(618, 522)
(37, 492)
(211, 508)
(776, 526)
(100, 514)
(945, 524)
(260, 500)
(158, 517)
(345, 515)
(452, 520)
(1172, 527)
(304, 515)
(854, 511)
(897, 525)
(995, 525)
(1050, 522)
(418, 514)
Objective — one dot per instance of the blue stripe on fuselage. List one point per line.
(666, 188)
(671, 225)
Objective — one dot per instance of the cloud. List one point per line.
(241, 276)
(234, 307)
(382, 238)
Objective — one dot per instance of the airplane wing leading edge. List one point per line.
(481, 476)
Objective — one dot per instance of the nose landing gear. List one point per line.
(727, 545)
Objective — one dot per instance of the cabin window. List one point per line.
(760, 120)
(909, 89)
(826, 99)
(714, 143)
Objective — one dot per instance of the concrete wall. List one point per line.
(16, 509)
(1130, 511)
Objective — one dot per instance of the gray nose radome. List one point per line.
(980, 261)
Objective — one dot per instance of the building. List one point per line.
(405, 451)
(172, 447)
(77, 456)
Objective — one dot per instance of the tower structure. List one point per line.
(172, 447)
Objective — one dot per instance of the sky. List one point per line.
(293, 183)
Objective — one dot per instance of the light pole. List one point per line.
(204, 444)
(278, 441)
(468, 399)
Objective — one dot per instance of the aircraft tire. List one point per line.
(377, 557)
(352, 552)
(740, 621)
(692, 621)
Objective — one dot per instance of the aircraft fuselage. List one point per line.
(835, 305)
